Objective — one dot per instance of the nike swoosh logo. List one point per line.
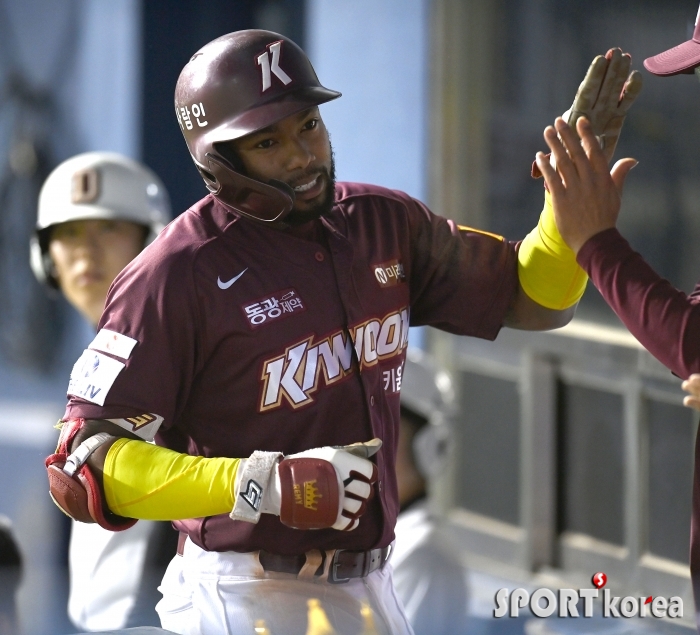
(226, 285)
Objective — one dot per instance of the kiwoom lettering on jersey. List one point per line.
(268, 69)
(273, 307)
(296, 375)
(389, 274)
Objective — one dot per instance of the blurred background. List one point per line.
(573, 452)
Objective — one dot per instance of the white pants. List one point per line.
(226, 593)
(106, 568)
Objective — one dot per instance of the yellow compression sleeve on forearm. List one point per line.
(148, 482)
(547, 267)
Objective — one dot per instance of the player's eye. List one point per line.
(66, 231)
(108, 226)
(264, 144)
(311, 124)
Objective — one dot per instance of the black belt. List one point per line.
(343, 565)
(339, 565)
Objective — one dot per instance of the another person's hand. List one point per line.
(586, 197)
(604, 97)
(692, 386)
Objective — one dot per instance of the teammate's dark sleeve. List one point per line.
(665, 320)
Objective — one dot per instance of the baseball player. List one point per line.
(428, 576)
(10, 576)
(586, 200)
(96, 212)
(259, 339)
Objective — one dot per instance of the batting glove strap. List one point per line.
(255, 487)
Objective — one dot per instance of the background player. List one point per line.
(96, 212)
(10, 577)
(428, 575)
(276, 313)
(586, 201)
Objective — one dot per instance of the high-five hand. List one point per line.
(586, 197)
(604, 97)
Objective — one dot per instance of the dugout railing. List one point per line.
(573, 454)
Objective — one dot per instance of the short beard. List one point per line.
(297, 217)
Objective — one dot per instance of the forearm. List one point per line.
(664, 320)
(527, 315)
(148, 482)
(550, 280)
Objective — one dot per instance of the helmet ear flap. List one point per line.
(264, 202)
(41, 263)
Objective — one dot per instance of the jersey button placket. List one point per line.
(371, 400)
(319, 256)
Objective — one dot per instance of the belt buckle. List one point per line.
(333, 577)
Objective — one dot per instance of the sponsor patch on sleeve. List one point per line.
(113, 343)
(92, 376)
(144, 426)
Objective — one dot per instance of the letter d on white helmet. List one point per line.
(97, 185)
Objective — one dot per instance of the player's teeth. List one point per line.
(304, 188)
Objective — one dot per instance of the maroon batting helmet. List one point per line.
(684, 58)
(237, 84)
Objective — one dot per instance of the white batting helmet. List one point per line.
(428, 392)
(97, 185)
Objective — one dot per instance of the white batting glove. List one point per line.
(315, 489)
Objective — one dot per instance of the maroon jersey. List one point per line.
(665, 320)
(241, 337)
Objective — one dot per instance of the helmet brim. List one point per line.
(270, 113)
(683, 58)
(97, 212)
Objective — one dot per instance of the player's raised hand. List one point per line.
(586, 197)
(692, 387)
(604, 97)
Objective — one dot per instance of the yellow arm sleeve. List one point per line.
(547, 267)
(148, 482)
